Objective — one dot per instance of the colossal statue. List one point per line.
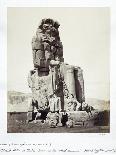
(51, 75)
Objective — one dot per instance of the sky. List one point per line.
(85, 34)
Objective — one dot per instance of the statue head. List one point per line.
(49, 25)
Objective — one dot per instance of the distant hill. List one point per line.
(98, 104)
(18, 93)
(19, 102)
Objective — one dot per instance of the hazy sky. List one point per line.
(85, 34)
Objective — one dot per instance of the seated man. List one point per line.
(64, 119)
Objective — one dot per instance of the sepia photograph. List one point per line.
(58, 70)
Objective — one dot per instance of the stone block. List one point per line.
(29, 115)
(70, 123)
(79, 84)
(76, 118)
(36, 44)
(69, 79)
(39, 63)
(53, 119)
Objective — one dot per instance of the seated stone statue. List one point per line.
(46, 44)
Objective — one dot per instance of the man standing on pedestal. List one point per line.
(55, 103)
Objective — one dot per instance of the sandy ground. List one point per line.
(16, 123)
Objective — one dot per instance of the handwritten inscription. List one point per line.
(44, 147)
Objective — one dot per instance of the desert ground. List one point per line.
(16, 123)
(17, 117)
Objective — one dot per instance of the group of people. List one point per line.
(53, 107)
(53, 104)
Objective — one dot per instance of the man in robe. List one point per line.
(55, 103)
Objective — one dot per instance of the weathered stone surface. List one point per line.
(72, 94)
(46, 44)
(51, 75)
(78, 116)
(70, 123)
(29, 115)
(53, 119)
(79, 84)
(69, 79)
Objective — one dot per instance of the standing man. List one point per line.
(55, 103)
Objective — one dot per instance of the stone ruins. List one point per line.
(55, 85)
